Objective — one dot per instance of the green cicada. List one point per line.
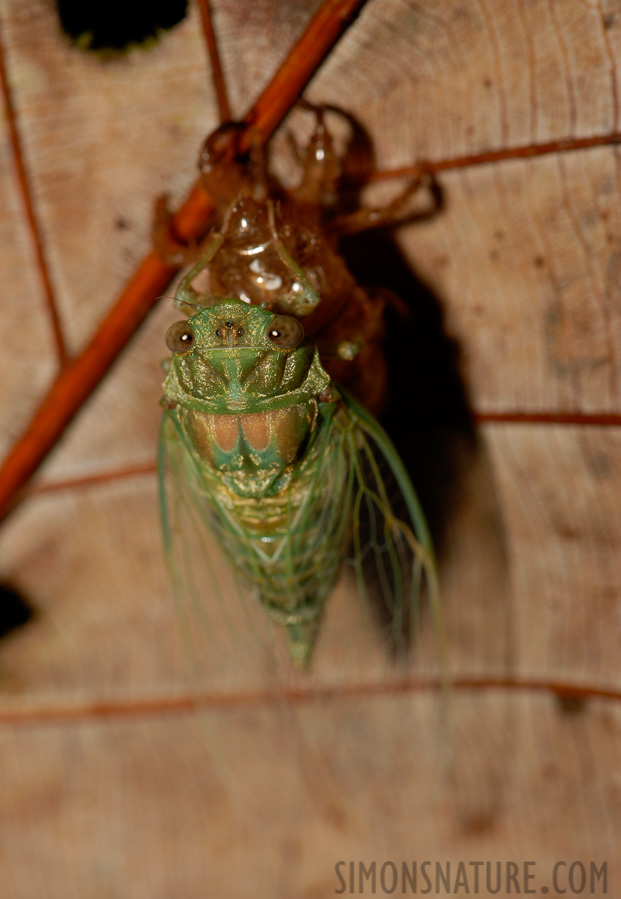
(262, 452)
(282, 467)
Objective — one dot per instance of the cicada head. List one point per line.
(238, 358)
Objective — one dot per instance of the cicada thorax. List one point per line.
(253, 453)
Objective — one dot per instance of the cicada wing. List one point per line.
(391, 553)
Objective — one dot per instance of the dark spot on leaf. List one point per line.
(609, 21)
(487, 82)
(539, 261)
(601, 465)
(335, 817)
(15, 611)
(568, 532)
(121, 223)
(480, 822)
(554, 316)
(111, 26)
(571, 704)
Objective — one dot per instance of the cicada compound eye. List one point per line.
(285, 332)
(180, 337)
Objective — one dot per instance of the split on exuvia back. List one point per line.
(271, 455)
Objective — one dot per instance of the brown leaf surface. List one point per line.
(111, 785)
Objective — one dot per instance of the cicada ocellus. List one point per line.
(261, 447)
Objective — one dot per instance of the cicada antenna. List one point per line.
(197, 306)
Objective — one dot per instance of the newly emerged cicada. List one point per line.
(264, 447)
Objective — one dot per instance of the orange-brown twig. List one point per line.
(81, 376)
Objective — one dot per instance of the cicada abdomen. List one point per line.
(279, 462)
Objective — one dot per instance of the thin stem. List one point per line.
(116, 708)
(528, 151)
(98, 477)
(31, 217)
(603, 419)
(217, 75)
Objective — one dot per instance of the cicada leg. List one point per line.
(307, 298)
(225, 174)
(187, 297)
(396, 211)
(321, 167)
(166, 244)
(257, 168)
(344, 349)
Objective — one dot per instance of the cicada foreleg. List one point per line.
(166, 244)
(306, 298)
(346, 350)
(393, 213)
(224, 175)
(188, 299)
(320, 164)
